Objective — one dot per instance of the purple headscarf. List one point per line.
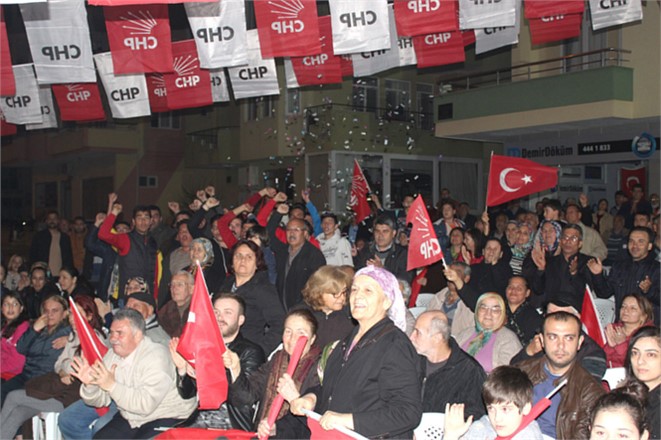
(390, 287)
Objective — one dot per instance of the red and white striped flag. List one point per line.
(590, 318)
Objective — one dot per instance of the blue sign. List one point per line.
(644, 145)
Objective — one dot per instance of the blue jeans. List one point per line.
(76, 419)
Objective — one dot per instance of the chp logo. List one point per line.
(358, 18)
(77, 93)
(185, 67)
(429, 245)
(317, 60)
(158, 82)
(140, 25)
(419, 6)
(287, 13)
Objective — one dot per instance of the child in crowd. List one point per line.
(13, 276)
(507, 394)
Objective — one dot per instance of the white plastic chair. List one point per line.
(430, 427)
(417, 311)
(606, 310)
(424, 299)
(613, 376)
(44, 426)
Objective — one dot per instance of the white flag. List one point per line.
(483, 14)
(369, 63)
(59, 40)
(359, 25)
(492, 38)
(24, 107)
(127, 95)
(219, 30)
(290, 75)
(219, 89)
(12, 2)
(259, 77)
(606, 13)
(47, 110)
(407, 55)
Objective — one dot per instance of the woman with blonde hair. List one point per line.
(490, 342)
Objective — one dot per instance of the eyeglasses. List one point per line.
(337, 294)
(572, 238)
(495, 310)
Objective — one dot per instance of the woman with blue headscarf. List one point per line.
(371, 382)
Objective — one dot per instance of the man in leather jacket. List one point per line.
(230, 316)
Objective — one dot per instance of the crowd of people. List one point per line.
(501, 329)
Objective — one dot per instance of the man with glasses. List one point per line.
(563, 275)
(174, 314)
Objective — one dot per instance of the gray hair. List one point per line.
(466, 268)
(405, 287)
(442, 326)
(134, 318)
(189, 276)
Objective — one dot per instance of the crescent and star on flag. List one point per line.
(526, 179)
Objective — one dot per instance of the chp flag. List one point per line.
(607, 13)
(424, 248)
(479, 14)
(358, 197)
(24, 107)
(259, 77)
(79, 102)
(7, 82)
(422, 17)
(512, 177)
(359, 25)
(287, 28)
(188, 86)
(49, 118)
(127, 94)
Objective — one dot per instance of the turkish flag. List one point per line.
(158, 101)
(201, 344)
(421, 18)
(79, 102)
(359, 189)
(555, 28)
(511, 178)
(189, 85)
(7, 82)
(590, 318)
(90, 345)
(632, 176)
(424, 248)
(324, 68)
(546, 8)
(439, 49)
(139, 38)
(287, 28)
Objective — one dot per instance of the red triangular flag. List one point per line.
(201, 344)
(359, 189)
(424, 248)
(416, 286)
(319, 433)
(590, 319)
(512, 177)
(7, 81)
(90, 345)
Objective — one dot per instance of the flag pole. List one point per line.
(486, 207)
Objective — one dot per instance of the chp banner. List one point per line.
(369, 63)
(359, 25)
(358, 198)
(49, 118)
(479, 14)
(140, 2)
(23, 107)
(59, 39)
(79, 102)
(259, 77)
(555, 28)
(7, 82)
(287, 28)
(158, 101)
(219, 90)
(127, 94)
(324, 68)
(546, 8)
(424, 248)
(189, 85)
(439, 49)
(511, 178)
(219, 30)
(422, 17)
(139, 37)
(612, 13)
(488, 39)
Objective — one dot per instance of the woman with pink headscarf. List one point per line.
(371, 382)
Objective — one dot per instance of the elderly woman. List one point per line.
(267, 381)
(547, 240)
(490, 342)
(201, 250)
(264, 312)
(636, 311)
(522, 247)
(371, 382)
(326, 294)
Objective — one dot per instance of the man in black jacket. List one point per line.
(384, 252)
(451, 375)
(52, 246)
(230, 316)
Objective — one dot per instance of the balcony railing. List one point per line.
(521, 72)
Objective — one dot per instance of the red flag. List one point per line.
(90, 345)
(141, 2)
(424, 248)
(555, 28)
(319, 433)
(158, 101)
(415, 287)
(511, 178)
(426, 17)
(590, 318)
(7, 82)
(189, 86)
(6, 129)
(468, 37)
(201, 344)
(324, 68)
(139, 38)
(632, 176)
(287, 28)
(79, 102)
(439, 49)
(546, 8)
(202, 433)
(346, 62)
(359, 189)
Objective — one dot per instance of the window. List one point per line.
(262, 107)
(366, 94)
(425, 99)
(169, 120)
(398, 99)
(251, 109)
(148, 181)
(268, 106)
(293, 104)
